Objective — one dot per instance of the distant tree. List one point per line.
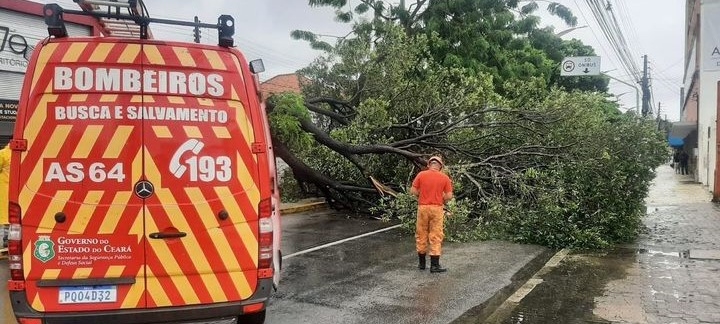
(496, 37)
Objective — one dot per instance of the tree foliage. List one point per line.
(496, 37)
(531, 161)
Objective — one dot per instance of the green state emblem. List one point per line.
(44, 249)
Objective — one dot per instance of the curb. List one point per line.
(505, 308)
(302, 208)
(523, 278)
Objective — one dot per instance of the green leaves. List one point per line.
(362, 8)
(343, 16)
(529, 8)
(303, 35)
(563, 13)
(594, 195)
(311, 38)
(587, 192)
(288, 110)
(331, 3)
(533, 158)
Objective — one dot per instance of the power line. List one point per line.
(625, 18)
(664, 83)
(609, 26)
(680, 60)
(587, 22)
(613, 43)
(663, 75)
(246, 48)
(621, 37)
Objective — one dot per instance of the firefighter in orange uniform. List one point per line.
(433, 189)
(4, 187)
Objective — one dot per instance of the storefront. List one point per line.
(21, 27)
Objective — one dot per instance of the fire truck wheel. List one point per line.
(255, 318)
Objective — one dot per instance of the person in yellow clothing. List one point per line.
(433, 189)
(4, 188)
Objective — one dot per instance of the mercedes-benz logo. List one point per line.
(144, 189)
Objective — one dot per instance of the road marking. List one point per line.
(505, 309)
(518, 296)
(339, 242)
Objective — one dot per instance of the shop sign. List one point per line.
(14, 51)
(8, 110)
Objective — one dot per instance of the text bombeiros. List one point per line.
(149, 81)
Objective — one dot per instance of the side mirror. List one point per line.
(257, 66)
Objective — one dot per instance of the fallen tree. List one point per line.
(530, 161)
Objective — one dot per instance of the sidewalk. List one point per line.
(671, 274)
(676, 279)
(302, 205)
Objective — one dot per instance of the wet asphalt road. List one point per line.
(374, 279)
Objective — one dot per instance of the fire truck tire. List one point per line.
(255, 318)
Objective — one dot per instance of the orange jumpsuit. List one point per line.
(431, 185)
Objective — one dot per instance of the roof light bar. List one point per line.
(128, 25)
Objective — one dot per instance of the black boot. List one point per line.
(421, 261)
(435, 264)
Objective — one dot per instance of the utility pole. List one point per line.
(197, 30)
(658, 114)
(645, 89)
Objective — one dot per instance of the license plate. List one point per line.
(87, 294)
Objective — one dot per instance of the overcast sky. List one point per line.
(655, 28)
(652, 27)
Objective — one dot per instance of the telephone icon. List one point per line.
(191, 145)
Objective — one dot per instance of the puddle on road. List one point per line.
(682, 254)
(658, 208)
(567, 294)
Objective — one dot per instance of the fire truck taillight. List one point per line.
(15, 252)
(15, 242)
(265, 208)
(14, 239)
(265, 239)
(14, 213)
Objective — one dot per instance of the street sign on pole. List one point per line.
(580, 65)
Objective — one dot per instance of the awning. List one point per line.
(675, 141)
(682, 129)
